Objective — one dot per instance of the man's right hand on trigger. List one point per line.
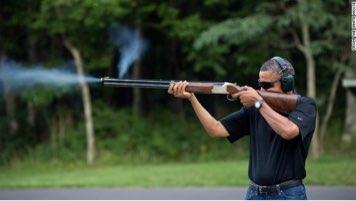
(178, 90)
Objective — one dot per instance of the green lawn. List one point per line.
(229, 173)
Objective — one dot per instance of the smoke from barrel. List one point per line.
(130, 46)
(18, 77)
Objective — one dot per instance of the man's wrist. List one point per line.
(191, 97)
(259, 103)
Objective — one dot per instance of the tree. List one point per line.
(77, 23)
(304, 23)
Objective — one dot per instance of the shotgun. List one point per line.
(279, 102)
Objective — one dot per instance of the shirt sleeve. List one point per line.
(304, 116)
(237, 124)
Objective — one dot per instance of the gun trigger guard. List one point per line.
(230, 98)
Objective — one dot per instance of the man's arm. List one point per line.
(280, 124)
(213, 127)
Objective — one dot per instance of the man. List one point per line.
(279, 143)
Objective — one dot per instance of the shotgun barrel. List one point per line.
(145, 83)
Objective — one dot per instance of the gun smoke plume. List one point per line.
(17, 77)
(130, 46)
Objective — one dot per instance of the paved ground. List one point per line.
(228, 193)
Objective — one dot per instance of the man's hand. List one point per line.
(248, 96)
(178, 90)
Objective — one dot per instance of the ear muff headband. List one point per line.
(287, 81)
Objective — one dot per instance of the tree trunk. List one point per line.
(86, 102)
(329, 108)
(32, 56)
(175, 62)
(10, 105)
(175, 104)
(31, 114)
(137, 98)
(53, 132)
(350, 125)
(311, 92)
(311, 83)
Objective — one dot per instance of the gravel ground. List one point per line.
(193, 193)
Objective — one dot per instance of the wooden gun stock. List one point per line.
(279, 102)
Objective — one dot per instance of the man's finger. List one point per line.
(238, 94)
(175, 87)
(249, 88)
(178, 91)
(184, 84)
(170, 89)
(244, 88)
(235, 96)
(180, 88)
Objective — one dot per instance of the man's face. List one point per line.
(270, 79)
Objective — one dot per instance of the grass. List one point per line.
(335, 171)
(187, 174)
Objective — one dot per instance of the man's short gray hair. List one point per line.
(272, 65)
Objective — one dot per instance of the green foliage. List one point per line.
(155, 137)
(80, 22)
(213, 45)
(122, 137)
(42, 95)
(210, 58)
(186, 41)
(69, 148)
(61, 16)
(234, 31)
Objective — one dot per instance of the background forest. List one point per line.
(207, 40)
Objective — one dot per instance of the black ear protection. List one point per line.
(287, 81)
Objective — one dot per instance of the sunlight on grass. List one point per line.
(223, 173)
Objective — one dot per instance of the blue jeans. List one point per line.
(294, 193)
